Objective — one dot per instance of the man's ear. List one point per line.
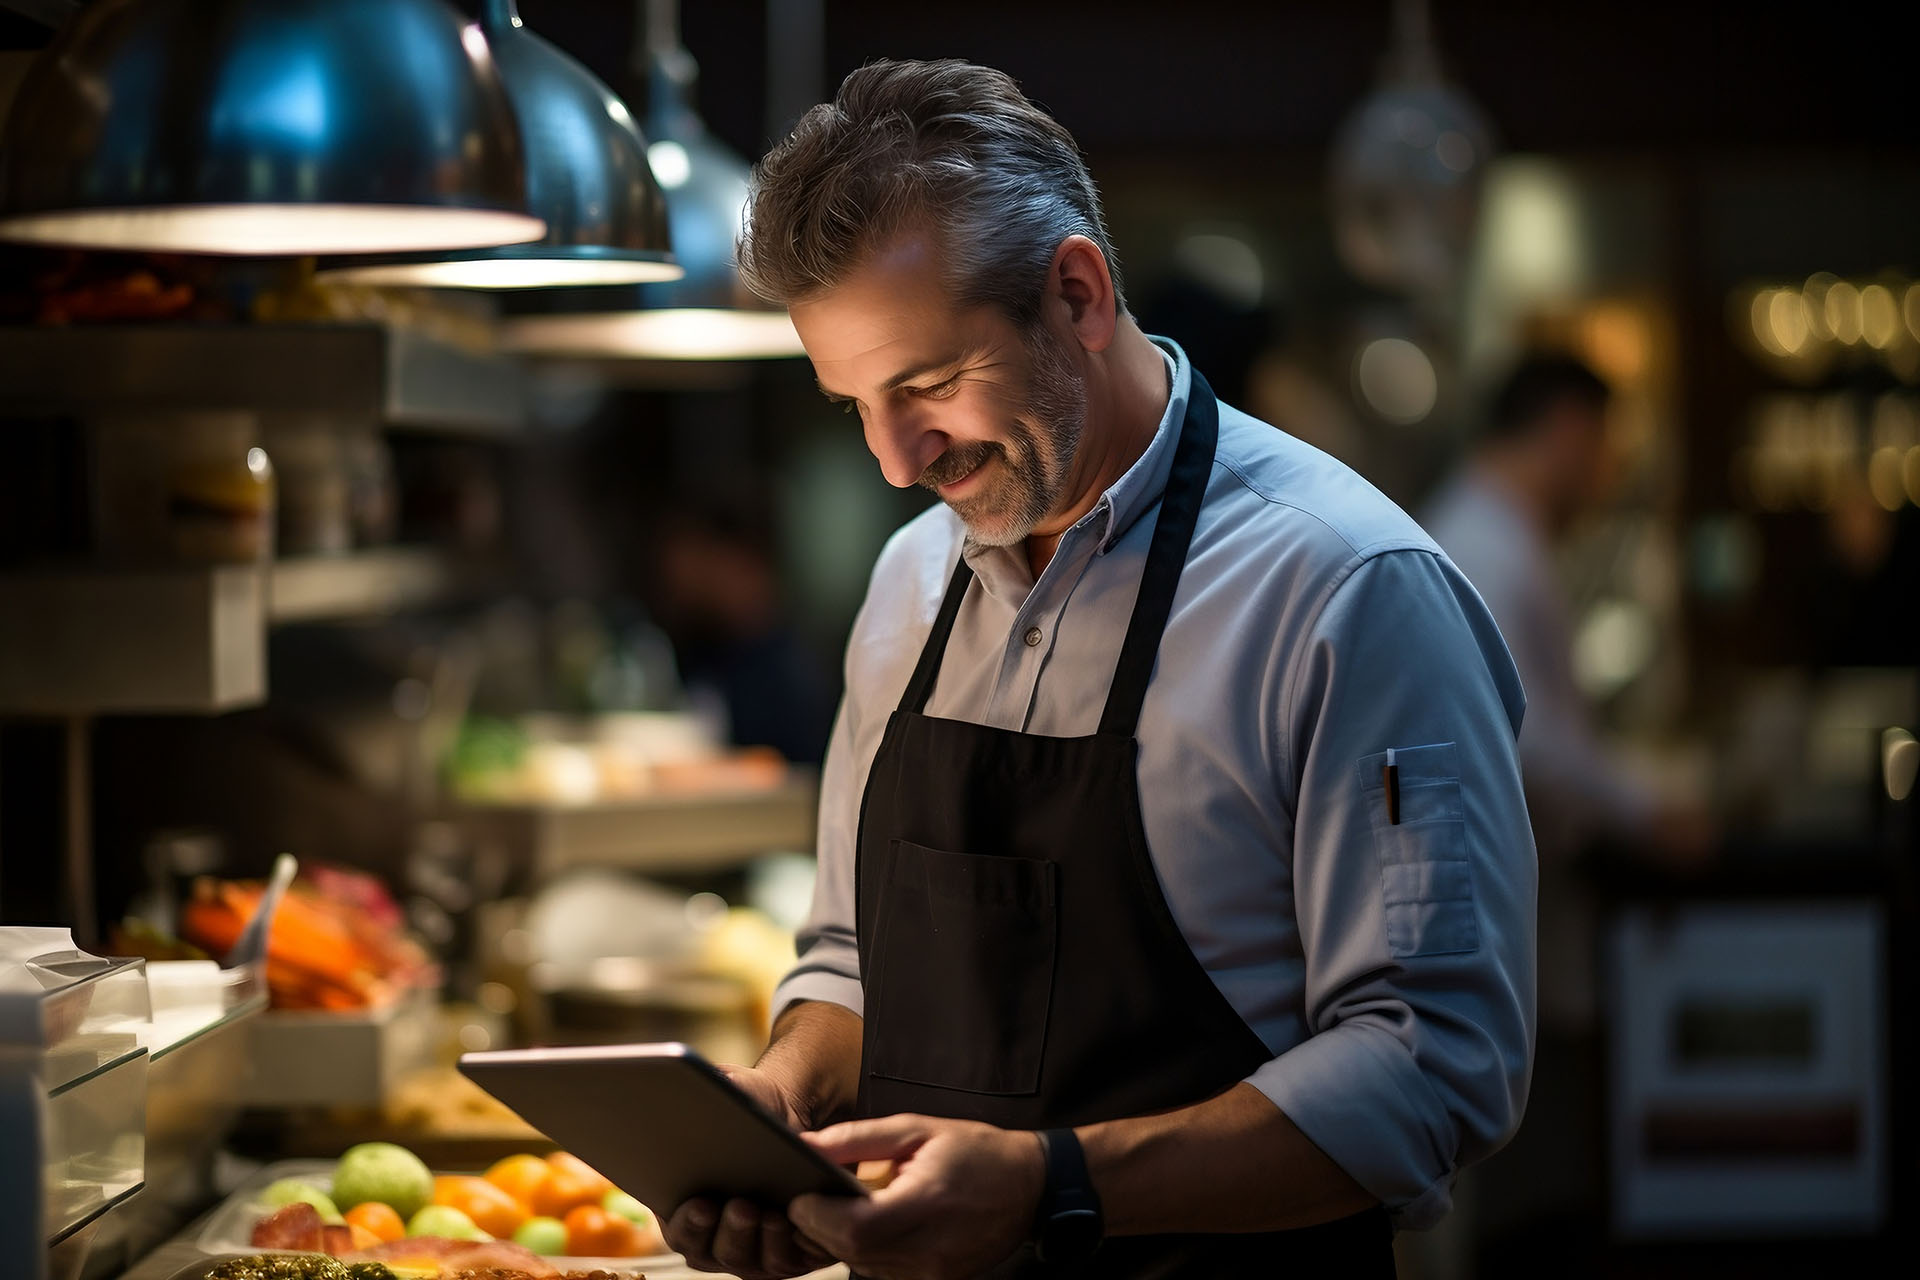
(1081, 287)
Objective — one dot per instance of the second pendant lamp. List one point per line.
(707, 315)
(587, 176)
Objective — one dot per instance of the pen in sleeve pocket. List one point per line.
(1390, 777)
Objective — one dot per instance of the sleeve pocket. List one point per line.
(1426, 879)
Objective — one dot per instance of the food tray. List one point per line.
(230, 1227)
(312, 1058)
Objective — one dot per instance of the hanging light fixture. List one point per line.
(708, 314)
(587, 176)
(1407, 169)
(264, 127)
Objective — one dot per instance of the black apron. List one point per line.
(1020, 964)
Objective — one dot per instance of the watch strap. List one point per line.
(1068, 1194)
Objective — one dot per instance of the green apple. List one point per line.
(444, 1220)
(542, 1235)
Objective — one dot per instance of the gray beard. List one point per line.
(1033, 473)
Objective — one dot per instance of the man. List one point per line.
(1540, 466)
(1175, 895)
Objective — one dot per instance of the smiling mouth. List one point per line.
(953, 487)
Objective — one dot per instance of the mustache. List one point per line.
(956, 463)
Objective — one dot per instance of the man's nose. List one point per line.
(904, 442)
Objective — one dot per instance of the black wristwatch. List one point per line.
(1068, 1226)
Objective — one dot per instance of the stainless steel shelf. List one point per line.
(357, 372)
(192, 640)
(669, 832)
(84, 643)
(364, 584)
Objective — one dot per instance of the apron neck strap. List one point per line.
(1166, 557)
(1172, 534)
(918, 688)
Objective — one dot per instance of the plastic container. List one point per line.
(73, 1090)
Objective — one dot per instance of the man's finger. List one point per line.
(886, 1138)
(736, 1246)
(780, 1252)
(689, 1232)
(829, 1220)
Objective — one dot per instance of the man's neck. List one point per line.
(1127, 393)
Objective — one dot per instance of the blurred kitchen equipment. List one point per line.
(182, 488)
(1748, 1090)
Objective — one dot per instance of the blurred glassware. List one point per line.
(373, 504)
(1407, 167)
(256, 127)
(312, 467)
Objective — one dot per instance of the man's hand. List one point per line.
(742, 1238)
(751, 1242)
(766, 1089)
(962, 1198)
(809, 1074)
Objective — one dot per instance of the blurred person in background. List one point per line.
(1542, 464)
(718, 599)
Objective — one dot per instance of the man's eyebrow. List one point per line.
(905, 375)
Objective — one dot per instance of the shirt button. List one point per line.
(1033, 636)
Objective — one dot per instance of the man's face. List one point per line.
(1585, 471)
(958, 401)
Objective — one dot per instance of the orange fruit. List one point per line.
(519, 1176)
(380, 1219)
(492, 1210)
(593, 1232)
(363, 1237)
(571, 1182)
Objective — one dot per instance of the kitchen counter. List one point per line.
(171, 1257)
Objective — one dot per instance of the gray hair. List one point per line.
(947, 145)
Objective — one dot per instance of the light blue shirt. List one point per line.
(1388, 967)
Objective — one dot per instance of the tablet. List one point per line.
(660, 1121)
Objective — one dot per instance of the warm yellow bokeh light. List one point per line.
(1815, 294)
(1842, 313)
(1884, 478)
(1617, 341)
(1879, 316)
(1787, 318)
(1760, 316)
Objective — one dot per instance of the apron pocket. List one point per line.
(961, 976)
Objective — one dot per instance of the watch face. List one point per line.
(1070, 1235)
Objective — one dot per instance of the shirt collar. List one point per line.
(1135, 492)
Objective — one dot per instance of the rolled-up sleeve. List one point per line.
(828, 965)
(827, 943)
(1417, 933)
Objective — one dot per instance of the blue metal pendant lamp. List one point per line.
(265, 127)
